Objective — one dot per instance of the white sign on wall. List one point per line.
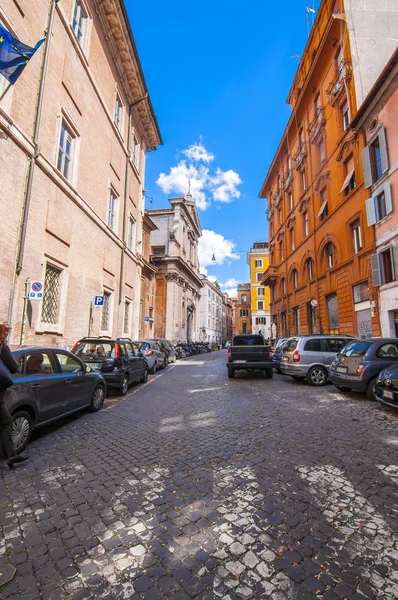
(36, 290)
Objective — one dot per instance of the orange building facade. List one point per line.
(319, 241)
(243, 316)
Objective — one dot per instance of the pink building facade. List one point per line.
(83, 222)
(377, 118)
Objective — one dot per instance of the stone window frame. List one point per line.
(84, 43)
(59, 327)
(64, 117)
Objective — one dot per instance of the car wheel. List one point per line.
(342, 388)
(97, 399)
(269, 373)
(231, 373)
(153, 370)
(21, 430)
(317, 376)
(124, 385)
(297, 377)
(144, 378)
(370, 391)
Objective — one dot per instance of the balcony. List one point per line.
(270, 276)
(277, 197)
(317, 124)
(287, 180)
(343, 76)
(300, 156)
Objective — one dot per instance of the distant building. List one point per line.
(234, 302)
(258, 260)
(148, 282)
(174, 252)
(377, 119)
(211, 312)
(228, 303)
(243, 309)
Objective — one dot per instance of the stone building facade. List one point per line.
(228, 318)
(148, 283)
(174, 252)
(83, 220)
(377, 119)
(211, 312)
(320, 242)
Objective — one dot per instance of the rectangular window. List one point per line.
(375, 158)
(106, 312)
(260, 305)
(311, 318)
(259, 276)
(324, 208)
(244, 328)
(356, 235)
(112, 207)
(361, 292)
(281, 255)
(378, 207)
(51, 295)
(284, 324)
(158, 250)
(118, 112)
(387, 266)
(131, 234)
(303, 181)
(296, 326)
(135, 151)
(280, 218)
(79, 21)
(333, 314)
(349, 181)
(126, 323)
(292, 245)
(345, 115)
(259, 264)
(244, 298)
(321, 151)
(290, 200)
(244, 312)
(260, 291)
(306, 224)
(65, 148)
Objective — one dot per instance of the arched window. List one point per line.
(330, 255)
(295, 278)
(283, 286)
(309, 268)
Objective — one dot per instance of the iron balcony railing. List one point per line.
(317, 124)
(344, 74)
(300, 155)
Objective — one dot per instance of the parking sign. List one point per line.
(99, 301)
(36, 290)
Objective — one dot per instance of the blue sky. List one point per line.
(218, 75)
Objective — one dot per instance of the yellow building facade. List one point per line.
(258, 260)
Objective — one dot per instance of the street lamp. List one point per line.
(213, 258)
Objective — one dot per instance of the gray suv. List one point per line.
(310, 356)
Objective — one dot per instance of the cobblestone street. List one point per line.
(196, 486)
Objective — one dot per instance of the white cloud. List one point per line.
(214, 243)
(207, 183)
(197, 152)
(230, 283)
(232, 292)
(212, 278)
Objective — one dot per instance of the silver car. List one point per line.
(154, 355)
(310, 356)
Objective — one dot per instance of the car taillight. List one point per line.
(149, 353)
(360, 369)
(296, 356)
(229, 353)
(117, 351)
(272, 350)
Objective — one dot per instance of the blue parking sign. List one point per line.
(99, 301)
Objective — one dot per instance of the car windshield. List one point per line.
(280, 343)
(290, 345)
(355, 349)
(254, 340)
(94, 350)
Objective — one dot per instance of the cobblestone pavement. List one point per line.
(196, 486)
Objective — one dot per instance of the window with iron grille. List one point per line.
(105, 312)
(50, 308)
(65, 149)
(126, 316)
(79, 21)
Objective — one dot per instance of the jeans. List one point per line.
(6, 445)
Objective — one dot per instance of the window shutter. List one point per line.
(371, 211)
(394, 261)
(376, 274)
(367, 169)
(383, 149)
(388, 197)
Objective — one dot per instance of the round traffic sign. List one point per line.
(37, 286)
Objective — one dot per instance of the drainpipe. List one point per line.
(126, 195)
(32, 162)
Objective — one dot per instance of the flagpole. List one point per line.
(32, 161)
(5, 91)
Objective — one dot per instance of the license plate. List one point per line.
(341, 369)
(389, 395)
(240, 361)
(95, 365)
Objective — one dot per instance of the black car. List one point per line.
(120, 361)
(386, 389)
(358, 365)
(50, 383)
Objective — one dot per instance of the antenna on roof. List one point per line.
(310, 11)
(295, 56)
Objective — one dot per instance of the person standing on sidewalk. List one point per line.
(6, 444)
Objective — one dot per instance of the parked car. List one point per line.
(249, 352)
(50, 384)
(168, 349)
(310, 356)
(386, 388)
(154, 355)
(276, 353)
(359, 364)
(120, 361)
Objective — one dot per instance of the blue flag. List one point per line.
(14, 55)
